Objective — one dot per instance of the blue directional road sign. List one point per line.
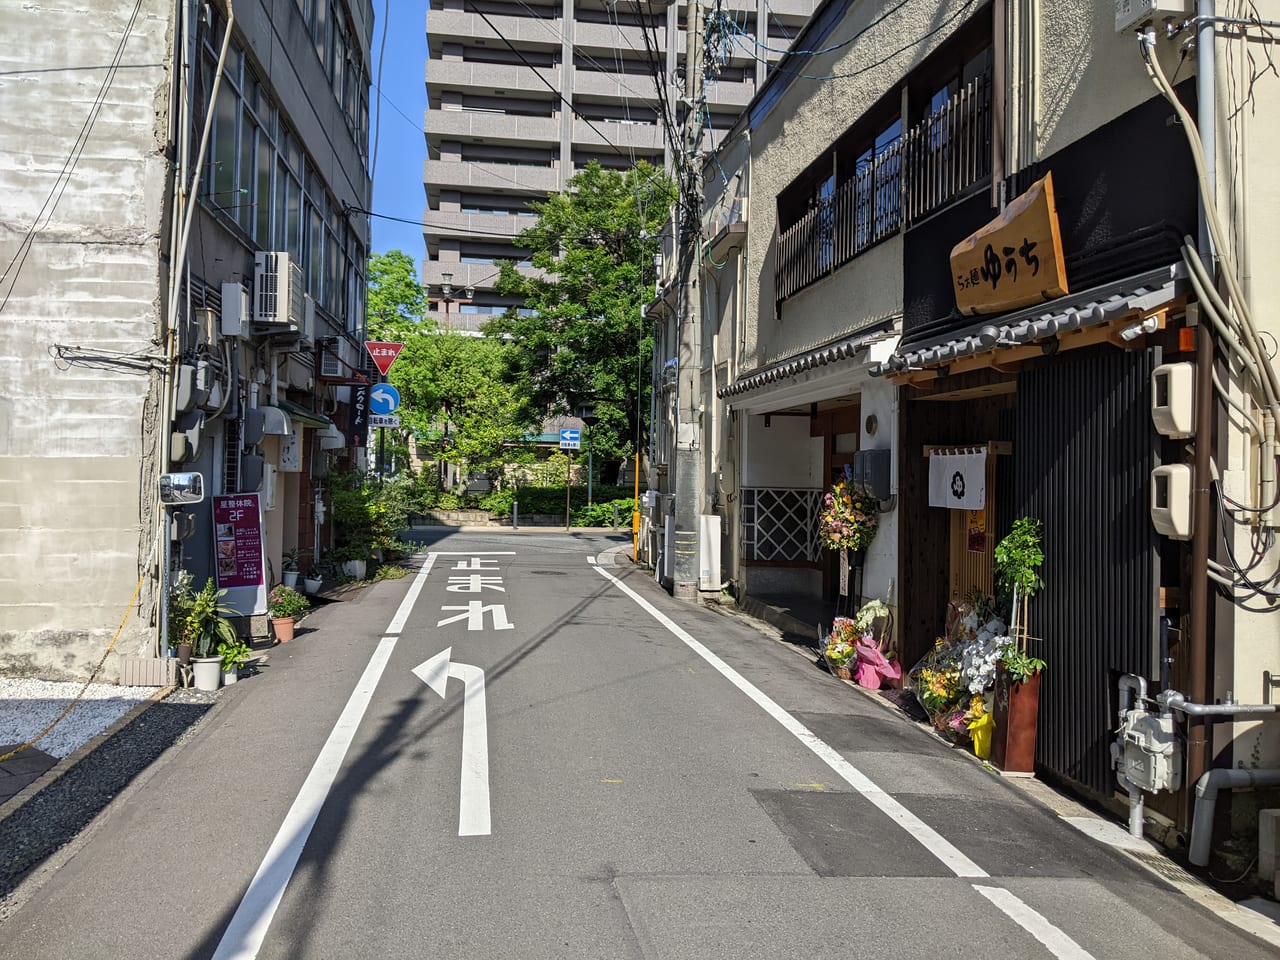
(570, 439)
(384, 399)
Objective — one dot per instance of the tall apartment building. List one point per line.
(522, 93)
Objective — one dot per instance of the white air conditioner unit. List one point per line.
(277, 290)
(235, 310)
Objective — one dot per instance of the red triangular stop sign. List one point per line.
(384, 354)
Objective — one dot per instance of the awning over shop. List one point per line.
(1046, 326)
(303, 415)
(275, 422)
(331, 438)
(797, 367)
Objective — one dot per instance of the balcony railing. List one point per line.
(937, 161)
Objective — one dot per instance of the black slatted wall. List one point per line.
(1083, 453)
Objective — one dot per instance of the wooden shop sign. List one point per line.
(1015, 260)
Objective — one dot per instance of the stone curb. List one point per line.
(54, 773)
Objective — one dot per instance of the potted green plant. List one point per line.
(284, 606)
(313, 581)
(1018, 558)
(235, 654)
(202, 624)
(290, 567)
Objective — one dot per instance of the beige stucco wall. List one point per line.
(804, 123)
(1086, 74)
(862, 294)
(77, 468)
(1248, 196)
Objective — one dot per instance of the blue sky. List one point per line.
(401, 148)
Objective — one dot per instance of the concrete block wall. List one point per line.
(80, 244)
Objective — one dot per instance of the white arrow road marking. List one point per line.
(473, 807)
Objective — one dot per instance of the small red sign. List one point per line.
(384, 354)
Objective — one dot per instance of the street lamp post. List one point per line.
(446, 295)
(587, 414)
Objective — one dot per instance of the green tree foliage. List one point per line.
(396, 298)
(586, 338)
(455, 398)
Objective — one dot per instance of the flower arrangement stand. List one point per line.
(1017, 708)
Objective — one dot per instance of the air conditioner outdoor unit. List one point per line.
(331, 364)
(277, 290)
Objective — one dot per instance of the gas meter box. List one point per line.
(1152, 751)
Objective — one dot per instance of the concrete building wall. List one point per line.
(860, 295)
(81, 232)
(1085, 74)
(809, 116)
(781, 453)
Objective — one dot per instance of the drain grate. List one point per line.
(1166, 868)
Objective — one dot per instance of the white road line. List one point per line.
(475, 553)
(248, 928)
(1055, 940)
(406, 605)
(929, 838)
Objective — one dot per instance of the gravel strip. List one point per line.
(28, 706)
(55, 815)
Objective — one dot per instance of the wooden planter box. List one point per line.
(1017, 710)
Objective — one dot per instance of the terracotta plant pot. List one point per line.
(283, 627)
(1017, 710)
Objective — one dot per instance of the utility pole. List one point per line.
(688, 452)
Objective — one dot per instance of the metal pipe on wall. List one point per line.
(1199, 668)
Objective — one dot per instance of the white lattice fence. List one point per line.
(780, 523)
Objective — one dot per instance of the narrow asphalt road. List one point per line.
(527, 751)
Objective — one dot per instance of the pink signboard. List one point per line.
(237, 527)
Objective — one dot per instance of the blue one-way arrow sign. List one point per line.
(570, 439)
(383, 399)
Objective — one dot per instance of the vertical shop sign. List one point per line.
(359, 413)
(976, 527)
(239, 561)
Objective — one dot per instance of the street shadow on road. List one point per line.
(397, 734)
